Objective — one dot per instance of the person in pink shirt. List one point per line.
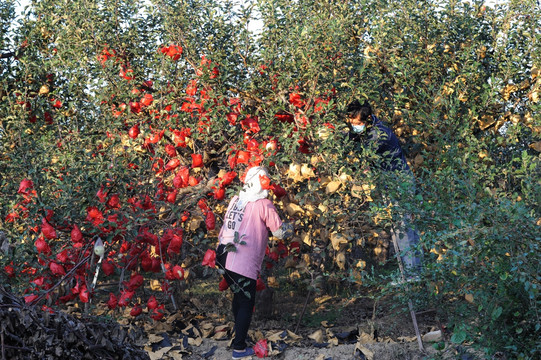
(243, 240)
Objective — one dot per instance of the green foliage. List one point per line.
(458, 82)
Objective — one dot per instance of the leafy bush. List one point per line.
(132, 121)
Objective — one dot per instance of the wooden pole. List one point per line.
(410, 303)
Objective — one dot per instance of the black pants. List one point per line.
(243, 299)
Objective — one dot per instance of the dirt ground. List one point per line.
(332, 327)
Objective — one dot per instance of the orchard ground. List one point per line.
(331, 326)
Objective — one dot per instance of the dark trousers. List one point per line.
(243, 299)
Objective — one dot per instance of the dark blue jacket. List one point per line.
(385, 144)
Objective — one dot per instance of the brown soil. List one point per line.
(330, 328)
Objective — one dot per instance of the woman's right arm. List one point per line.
(285, 231)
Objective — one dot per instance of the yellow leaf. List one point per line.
(361, 264)
(317, 336)
(357, 191)
(293, 336)
(332, 187)
(293, 209)
(155, 285)
(294, 172)
(43, 90)
(305, 237)
(469, 298)
(365, 338)
(338, 241)
(306, 171)
(536, 146)
(341, 260)
(486, 121)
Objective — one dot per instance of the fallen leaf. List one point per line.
(365, 338)
(157, 355)
(294, 336)
(369, 355)
(317, 336)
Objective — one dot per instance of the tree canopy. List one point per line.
(134, 121)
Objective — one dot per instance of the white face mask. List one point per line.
(358, 129)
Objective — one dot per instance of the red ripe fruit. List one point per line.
(84, 294)
(156, 136)
(174, 51)
(158, 313)
(232, 117)
(114, 201)
(125, 298)
(135, 282)
(219, 193)
(169, 275)
(112, 303)
(178, 272)
(56, 103)
(177, 182)
(172, 196)
(147, 100)
(171, 150)
(265, 182)
(209, 259)
(228, 178)
(156, 265)
(175, 245)
(191, 89)
(102, 195)
(48, 118)
(152, 303)
(243, 157)
(24, 186)
(47, 230)
(210, 220)
(76, 234)
(146, 263)
(9, 270)
(136, 310)
(134, 131)
(295, 100)
(172, 164)
(203, 205)
(108, 268)
(185, 216)
(278, 190)
(62, 256)
(30, 298)
(42, 246)
(260, 285)
(197, 160)
(192, 181)
(223, 285)
(57, 269)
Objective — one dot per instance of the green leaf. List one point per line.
(459, 336)
(496, 313)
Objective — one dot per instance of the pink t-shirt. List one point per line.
(252, 223)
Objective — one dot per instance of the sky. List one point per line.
(23, 3)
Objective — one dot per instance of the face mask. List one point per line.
(358, 128)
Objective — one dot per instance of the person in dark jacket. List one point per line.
(388, 156)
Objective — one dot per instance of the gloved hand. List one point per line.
(285, 231)
(288, 230)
